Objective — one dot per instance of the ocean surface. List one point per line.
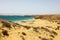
(16, 18)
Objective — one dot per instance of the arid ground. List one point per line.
(43, 27)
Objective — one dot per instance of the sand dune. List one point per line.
(37, 29)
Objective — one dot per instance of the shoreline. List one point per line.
(19, 21)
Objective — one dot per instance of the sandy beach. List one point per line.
(37, 29)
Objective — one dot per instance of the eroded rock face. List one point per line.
(15, 31)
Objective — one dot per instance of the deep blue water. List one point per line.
(16, 18)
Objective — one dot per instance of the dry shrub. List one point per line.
(6, 24)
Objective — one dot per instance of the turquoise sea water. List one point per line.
(16, 18)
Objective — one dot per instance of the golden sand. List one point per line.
(37, 29)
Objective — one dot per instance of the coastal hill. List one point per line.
(53, 18)
(41, 28)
